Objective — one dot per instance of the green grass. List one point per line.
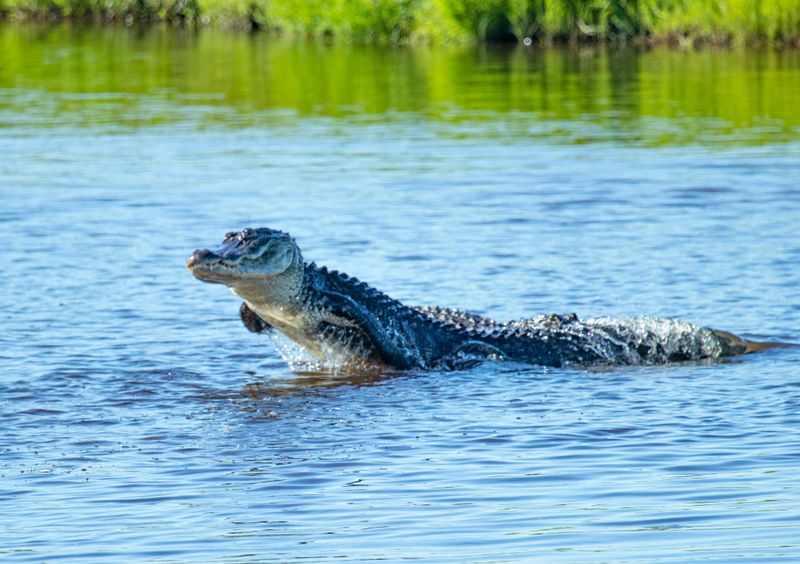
(396, 21)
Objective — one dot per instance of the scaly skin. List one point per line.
(339, 318)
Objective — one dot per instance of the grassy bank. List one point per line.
(684, 21)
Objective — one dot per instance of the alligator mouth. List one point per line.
(210, 267)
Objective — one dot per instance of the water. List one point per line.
(141, 422)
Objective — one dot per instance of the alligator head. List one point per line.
(262, 266)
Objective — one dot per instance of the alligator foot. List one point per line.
(252, 321)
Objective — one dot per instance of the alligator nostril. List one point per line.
(200, 255)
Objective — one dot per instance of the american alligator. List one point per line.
(335, 316)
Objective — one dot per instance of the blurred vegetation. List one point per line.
(685, 22)
(151, 76)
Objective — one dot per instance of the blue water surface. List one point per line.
(141, 422)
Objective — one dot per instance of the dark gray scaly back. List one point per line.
(433, 337)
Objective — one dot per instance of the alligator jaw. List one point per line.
(209, 267)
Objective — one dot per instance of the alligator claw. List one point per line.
(252, 321)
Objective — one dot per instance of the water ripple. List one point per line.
(141, 422)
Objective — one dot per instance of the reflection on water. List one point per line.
(301, 381)
(149, 77)
(142, 422)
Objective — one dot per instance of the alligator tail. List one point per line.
(733, 345)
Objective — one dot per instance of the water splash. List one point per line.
(645, 340)
(336, 359)
(297, 357)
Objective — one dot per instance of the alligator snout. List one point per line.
(198, 257)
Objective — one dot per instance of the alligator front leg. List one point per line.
(252, 321)
(350, 311)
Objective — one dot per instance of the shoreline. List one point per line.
(309, 20)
